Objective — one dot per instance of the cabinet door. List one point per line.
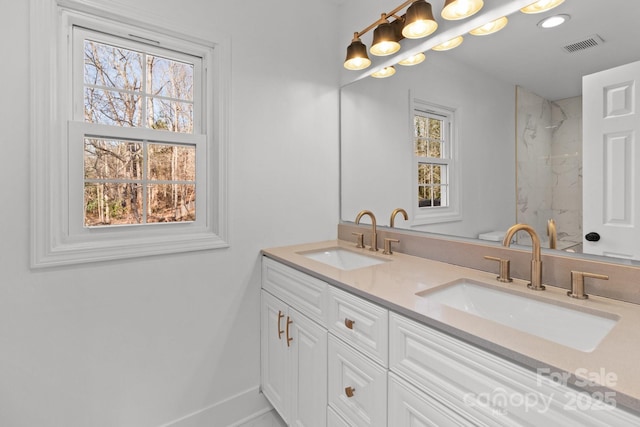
(308, 366)
(273, 352)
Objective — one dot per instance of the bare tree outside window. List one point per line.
(129, 181)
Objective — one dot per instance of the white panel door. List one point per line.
(308, 363)
(611, 189)
(273, 349)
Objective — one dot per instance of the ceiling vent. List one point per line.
(586, 43)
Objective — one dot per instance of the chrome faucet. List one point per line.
(396, 212)
(536, 262)
(374, 234)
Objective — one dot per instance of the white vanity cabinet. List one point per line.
(486, 389)
(330, 358)
(293, 346)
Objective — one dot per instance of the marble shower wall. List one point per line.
(549, 167)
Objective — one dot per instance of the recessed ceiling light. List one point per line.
(553, 21)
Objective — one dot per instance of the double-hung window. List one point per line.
(132, 161)
(137, 118)
(435, 164)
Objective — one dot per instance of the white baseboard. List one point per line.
(231, 412)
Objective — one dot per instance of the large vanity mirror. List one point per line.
(515, 99)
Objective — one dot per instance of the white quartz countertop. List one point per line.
(614, 365)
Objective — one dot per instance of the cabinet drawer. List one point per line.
(357, 386)
(301, 291)
(493, 390)
(360, 323)
(409, 406)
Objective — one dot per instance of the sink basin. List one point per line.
(561, 323)
(342, 258)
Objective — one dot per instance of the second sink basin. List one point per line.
(342, 258)
(561, 323)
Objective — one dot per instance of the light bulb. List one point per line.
(490, 27)
(541, 6)
(385, 72)
(460, 9)
(448, 45)
(413, 60)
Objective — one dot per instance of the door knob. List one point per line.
(592, 237)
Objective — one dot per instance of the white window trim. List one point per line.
(453, 212)
(53, 240)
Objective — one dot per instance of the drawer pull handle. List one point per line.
(280, 331)
(349, 391)
(349, 323)
(289, 339)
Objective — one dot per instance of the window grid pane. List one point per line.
(433, 185)
(428, 137)
(112, 203)
(138, 182)
(126, 88)
(171, 203)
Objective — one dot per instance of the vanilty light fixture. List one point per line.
(541, 6)
(392, 27)
(417, 22)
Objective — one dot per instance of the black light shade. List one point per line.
(384, 40)
(460, 9)
(419, 21)
(357, 58)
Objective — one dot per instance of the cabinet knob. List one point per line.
(349, 391)
(349, 323)
(280, 331)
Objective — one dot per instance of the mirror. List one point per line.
(481, 81)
